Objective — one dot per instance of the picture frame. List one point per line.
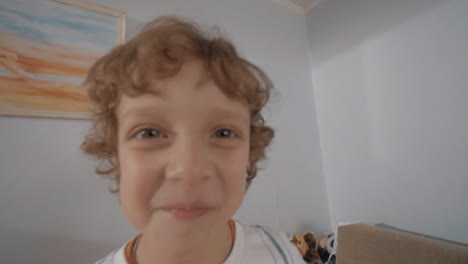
(46, 49)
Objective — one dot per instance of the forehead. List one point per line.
(191, 91)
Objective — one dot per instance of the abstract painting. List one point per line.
(46, 49)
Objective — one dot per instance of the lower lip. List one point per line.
(186, 214)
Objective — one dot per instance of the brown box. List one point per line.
(370, 244)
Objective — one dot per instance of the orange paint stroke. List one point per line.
(21, 58)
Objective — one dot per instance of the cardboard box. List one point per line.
(370, 244)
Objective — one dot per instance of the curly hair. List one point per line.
(160, 50)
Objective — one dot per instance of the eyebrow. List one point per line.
(149, 112)
(139, 111)
(230, 114)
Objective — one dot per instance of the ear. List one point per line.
(299, 242)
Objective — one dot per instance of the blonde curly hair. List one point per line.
(159, 50)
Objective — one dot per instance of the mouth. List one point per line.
(181, 211)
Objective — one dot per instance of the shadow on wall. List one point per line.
(335, 26)
(39, 248)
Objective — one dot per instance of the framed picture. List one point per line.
(46, 49)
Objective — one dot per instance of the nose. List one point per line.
(187, 161)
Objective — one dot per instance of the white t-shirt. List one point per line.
(253, 244)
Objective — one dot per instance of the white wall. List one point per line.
(390, 85)
(54, 206)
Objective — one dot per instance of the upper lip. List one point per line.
(185, 206)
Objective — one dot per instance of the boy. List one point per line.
(178, 122)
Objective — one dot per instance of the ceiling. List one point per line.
(301, 6)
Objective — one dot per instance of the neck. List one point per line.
(208, 247)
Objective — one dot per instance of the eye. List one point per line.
(148, 133)
(225, 133)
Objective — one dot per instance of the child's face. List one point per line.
(183, 154)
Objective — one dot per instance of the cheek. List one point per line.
(235, 174)
(136, 186)
(234, 194)
(236, 171)
(134, 170)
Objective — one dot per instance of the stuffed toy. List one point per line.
(309, 254)
(314, 249)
